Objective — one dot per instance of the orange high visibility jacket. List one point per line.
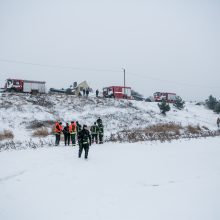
(72, 128)
(58, 128)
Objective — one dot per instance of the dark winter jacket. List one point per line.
(66, 130)
(94, 129)
(84, 137)
(78, 127)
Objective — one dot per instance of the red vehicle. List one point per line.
(168, 97)
(18, 85)
(119, 92)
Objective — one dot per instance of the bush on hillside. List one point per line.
(193, 129)
(164, 107)
(39, 124)
(179, 103)
(211, 102)
(217, 108)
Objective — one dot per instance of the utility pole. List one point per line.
(124, 76)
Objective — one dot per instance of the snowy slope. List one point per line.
(19, 111)
(169, 181)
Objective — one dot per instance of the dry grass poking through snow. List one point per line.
(6, 134)
(194, 129)
(161, 132)
(41, 132)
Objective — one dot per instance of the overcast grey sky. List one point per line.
(171, 46)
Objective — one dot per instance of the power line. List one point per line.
(109, 70)
(173, 82)
(59, 66)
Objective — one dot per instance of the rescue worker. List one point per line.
(78, 127)
(97, 93)
(87, 92)
(84, 92)
(84, 141)
(66, 133)
(218, 122)
(101, 133)
(72, 130)
(94, 132)
(57, 131)
(99, 121)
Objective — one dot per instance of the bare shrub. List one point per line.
(39, 124)
(41, 100)
(162, 133)
(11, 145)
(6, 134)
(164, 128)
(41, 132)
(193, 129)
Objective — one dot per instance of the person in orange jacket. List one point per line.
(58, 129)
(72, 131)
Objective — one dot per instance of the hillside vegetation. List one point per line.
(32, 117)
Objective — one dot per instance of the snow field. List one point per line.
(178, 180)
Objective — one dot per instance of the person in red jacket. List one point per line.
(58, 129)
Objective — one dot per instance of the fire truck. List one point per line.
(26, 86)
(168, 97)
(119, 92)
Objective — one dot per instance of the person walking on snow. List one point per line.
(72, 130)
(66, 135)
(94, 132)
(84, 141)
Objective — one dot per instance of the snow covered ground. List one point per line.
(169, 181)
(19, 111)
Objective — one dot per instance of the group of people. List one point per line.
(74, 132)
(86, 92)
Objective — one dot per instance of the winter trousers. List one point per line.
(100, 138)
(57, 141)
(67, 139)
(95, 137)
(86, 149)
(73, 139)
